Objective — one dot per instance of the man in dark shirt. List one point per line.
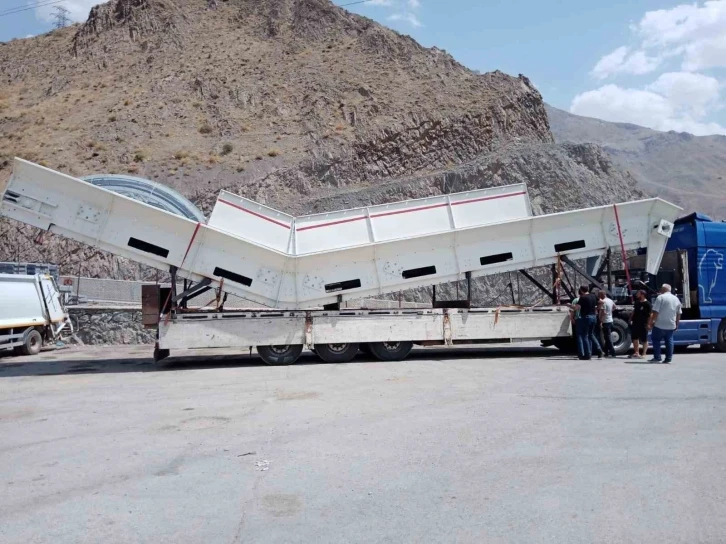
(639, 324)
(587, 343)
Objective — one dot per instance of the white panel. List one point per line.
(237, 332)
(418, 327)
(52, 299)
(413, 218)
(314, 233)
(501, 204)
(251, 221)
(20, 302)
(396, 259)
(315, 272)
(492, 325)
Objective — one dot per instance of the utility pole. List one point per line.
(61, 17)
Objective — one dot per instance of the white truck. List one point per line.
(31, 312)
(304, 267)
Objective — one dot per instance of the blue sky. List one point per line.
(656, 63)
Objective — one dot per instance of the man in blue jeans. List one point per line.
(587, 306)
(664, 320)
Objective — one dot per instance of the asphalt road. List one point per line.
(487, 445)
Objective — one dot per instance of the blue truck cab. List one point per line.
(699, 279)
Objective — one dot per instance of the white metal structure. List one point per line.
(284, 262)
(248, 329)
(31, 310)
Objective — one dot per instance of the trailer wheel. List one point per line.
(391, 351)
(721, 337)
(280, 355)
(32, 342)
(621, 337)
(337, 353)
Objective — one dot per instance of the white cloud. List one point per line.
(690, 35)
(407, 17)
(686, 23)
(704, 54)
(694, 92)
(77, 10)
(694, 32)
(622, 61)
(402, 10)
(646, 107)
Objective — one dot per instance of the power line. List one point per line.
(61, 17)
(354, 3)
(40, 4)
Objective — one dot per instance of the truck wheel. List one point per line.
(337, 353)
(721, 337)
(33, 341)
(621, 337)
(280, 355)
(391, 351)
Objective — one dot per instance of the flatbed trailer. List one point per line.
(307, 266)
(338, 335)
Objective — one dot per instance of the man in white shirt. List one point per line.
(606, 318)
(664, 320)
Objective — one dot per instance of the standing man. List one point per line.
(664, 320)
(587, 344)
(606, 318)
(639, 324)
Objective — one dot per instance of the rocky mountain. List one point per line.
(686, 169)
(296, 103)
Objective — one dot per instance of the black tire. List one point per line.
(160, 354)
(391, 351)
(32, 342)
(280, 355)
(721, 337)
(337, 353)
(566, 344)
(622, 341)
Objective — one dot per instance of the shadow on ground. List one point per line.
(78, 362)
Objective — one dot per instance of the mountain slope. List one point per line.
(296, 103)
(686, 169)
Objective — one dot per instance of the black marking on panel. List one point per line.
(418, 272)
(148, 247)
(498, 258)
(342, 286)
(231, 276)
(569, 246)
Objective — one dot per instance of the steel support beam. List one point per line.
(577, 268)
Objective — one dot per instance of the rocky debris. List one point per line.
(141, 20)
(96, 326)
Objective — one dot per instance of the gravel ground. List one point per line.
(514, 444)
